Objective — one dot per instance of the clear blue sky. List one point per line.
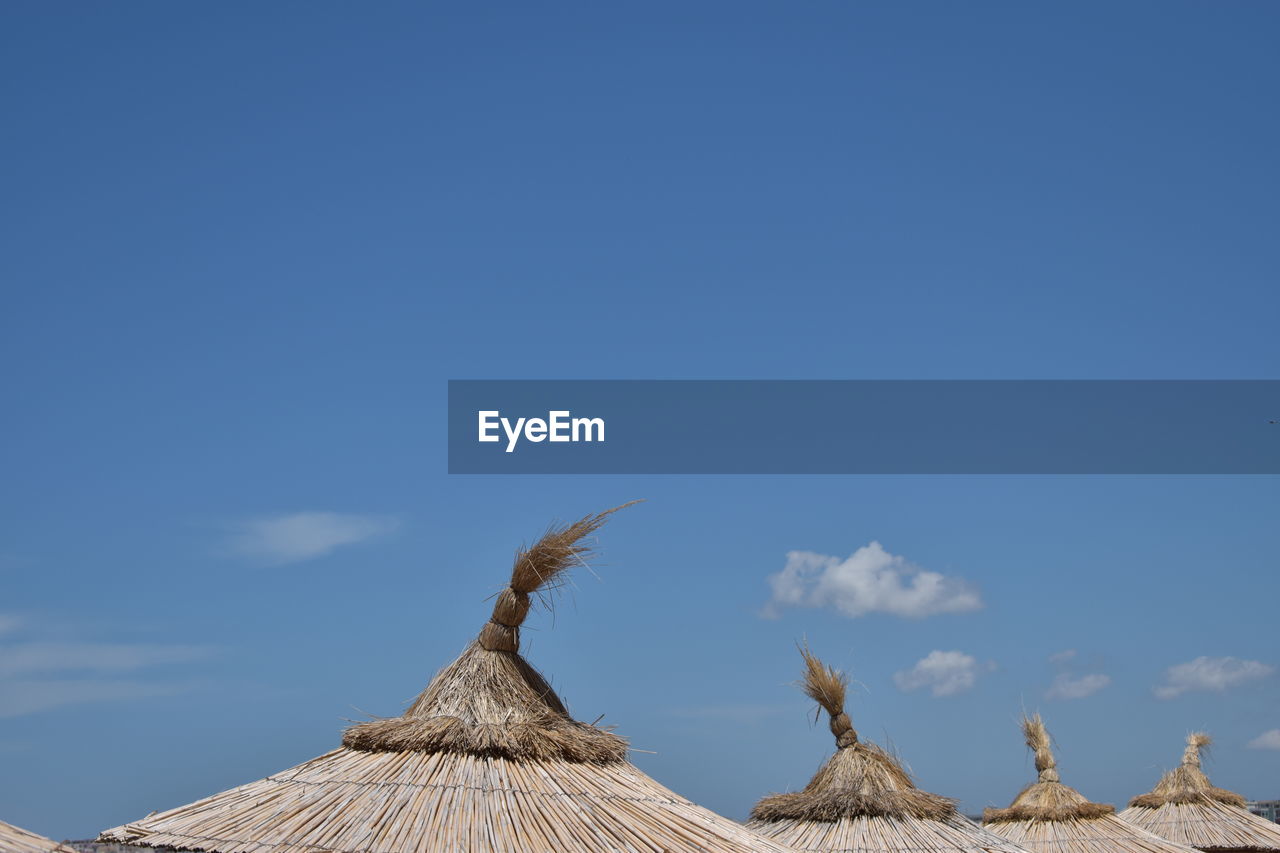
(248, 243)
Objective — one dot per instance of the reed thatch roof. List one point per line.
(487, 758)
(1050, 817)
(14, 839)
(1186, 808)
(862, 799)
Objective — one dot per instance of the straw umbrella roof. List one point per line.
(1050, 817)
(487, 758)
(1185, 807)
(861, 798)
(14, 839)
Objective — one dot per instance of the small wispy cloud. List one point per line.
(37, 675)
(292, 538)
(18, 698)
(1069, 683)
(871, 580)
(1267, 740)
(44, 657)
(944, 673)
(10, 622)
(1210, 674)
(1068, 686)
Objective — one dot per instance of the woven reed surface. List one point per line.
(14, 839)
(1207, 824)
(398, 802)
(884, 835)
(1107, 834)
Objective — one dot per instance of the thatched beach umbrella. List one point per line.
(486, 758)
(16, 840)
(862, 799)
(1050, 817)
(1186, 808)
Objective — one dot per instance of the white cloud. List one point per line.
(871, 580)
(10, 622)
(1067, 686)
(18, 698)
(1062, 657)
(944, 673)
(1266, 740)
(1206, 673)
(41, 657)
(280, 539)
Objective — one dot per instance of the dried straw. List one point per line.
(861, 798)
(490, 701)
(1185, 807)
(14, 839)
(1187, 783)
(413, 802)
(1047, 798)
(1050, 817)
(487, 758)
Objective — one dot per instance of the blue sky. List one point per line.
(249, 244)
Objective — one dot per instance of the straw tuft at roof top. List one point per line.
(490, 701)
(1187, 783)
(1185, 807)
(861, 779)
(1046, 798)
(861, 799)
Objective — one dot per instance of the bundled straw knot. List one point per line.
(502, 632)
(510, 608)
(826, 686)
(540, 569)
(1196, 741)
(1037, 737)
(499, 638)
(842, 728)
